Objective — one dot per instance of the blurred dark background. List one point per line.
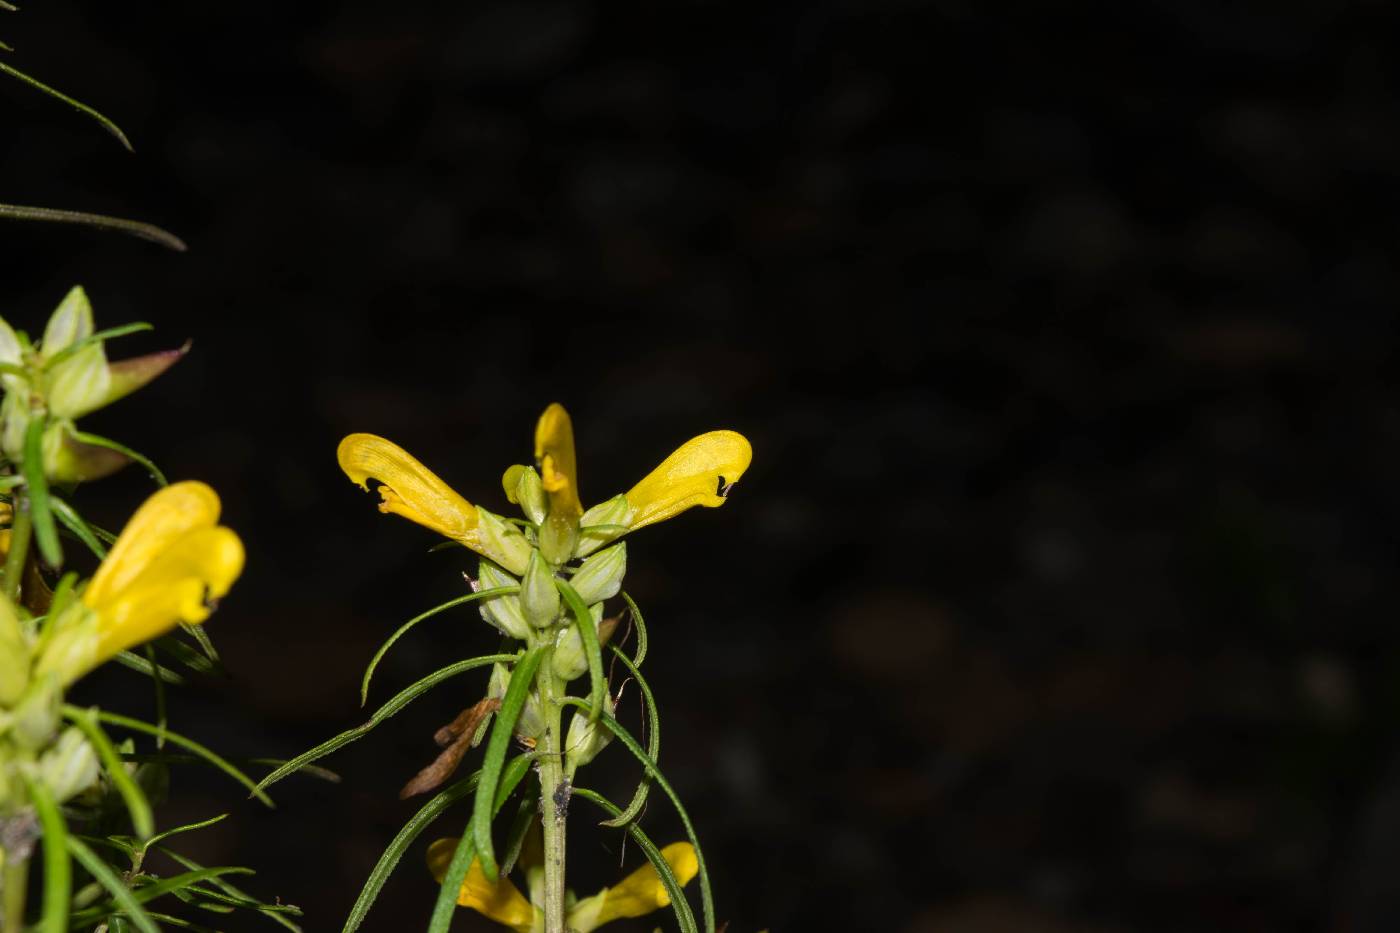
(1060, 596)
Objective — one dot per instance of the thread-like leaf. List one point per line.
(403, 629)
(144, 665)
(175, 738)
(58, 873)
(626, 738)
(137, 805)
(522, 681)
(465, 852)
(588, 633)
(396, 703)
(129, 900)
(96, 337)
(121, 894)
(641, 654)
(98, 440)
(71, 520)
(684, 915)
(77, 105)
(274, 912)
(639, 798)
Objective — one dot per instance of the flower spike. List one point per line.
(700, 472)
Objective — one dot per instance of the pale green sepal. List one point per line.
(602, 524)
(539, 598)
(570, 660)
(36, 717)
(504, 612)
(72, 647)
(80, 384)
(558, 537)
(11, 353)
(70, 321)
(600, 577)
(14, 656)
(70, 766)
(502, 542)
(530, 725)
(585, 739)
(523, 488)
(14, 413)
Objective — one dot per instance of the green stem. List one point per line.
(15, 881)
(554, 799)
(20, 529)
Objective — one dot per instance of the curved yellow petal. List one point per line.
(554, 450)
(502, 901)
(408, 488)
(636, 895)
(161, 519)
(700, 472)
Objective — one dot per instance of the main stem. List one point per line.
(554, 800)
(16, 879)
(20, 529)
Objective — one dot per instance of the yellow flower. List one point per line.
(638, 894)
(700, 472)
(169, 564)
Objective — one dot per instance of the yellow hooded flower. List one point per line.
(169, 564)
(638, 894)
(700, 472)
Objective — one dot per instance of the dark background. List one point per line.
(1061, 593)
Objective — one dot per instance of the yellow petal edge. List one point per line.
(554, 451)
(501, 901)
(408, 488)
(638, 894)
(699, 472)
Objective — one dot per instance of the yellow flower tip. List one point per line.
(638, 894)
(164, 517)
(407, 487)
(554, 450)
(501, 901)
(702, 471)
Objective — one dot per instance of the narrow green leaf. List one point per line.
(522, 681)
(396, 703)
(626, 738)
(145, 666)
(274, 912)
(188, 656)
(129, 900)
(197, 631)
(161, 717)
(684, 915)
(641, 654)
(188, 827)
(465, 852)
(396, 848)
(134, 228)
(109, 879)
(58, 873)
(96, 337)
(176, 739)
(142, 822)
(98, 440)
(37, 485)
(74, 523)
(639, 798)
(403, 629)
(79, 106)
(588, 632)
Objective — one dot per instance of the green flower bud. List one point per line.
(530, 724)
(70, 766)
(69, 460)
(70, 651)
(504, 612)
(600, 577)
(503, 541)
(539, 598)
(36, 717)
(71, 321)
(11, 353)
(522, 486)
(79, 384)
(585, 739)
(14, 421)
(570, 661)
(601, 524)
(558, 536)
(14, 656)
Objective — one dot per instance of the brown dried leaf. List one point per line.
(458, 736)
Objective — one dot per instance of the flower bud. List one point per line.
(35, 718)
(558, 537)
(539, 598)
(569, 659)
(78, 384)
(70, 766)
(600, 577)
(72, 649)
(504, 612)
(530, 724)
(14, 422)
(14, 656)
(69, 460)
(523, 487)
(71, 321)
(601, 524)
(585, 739)
(506, 544)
